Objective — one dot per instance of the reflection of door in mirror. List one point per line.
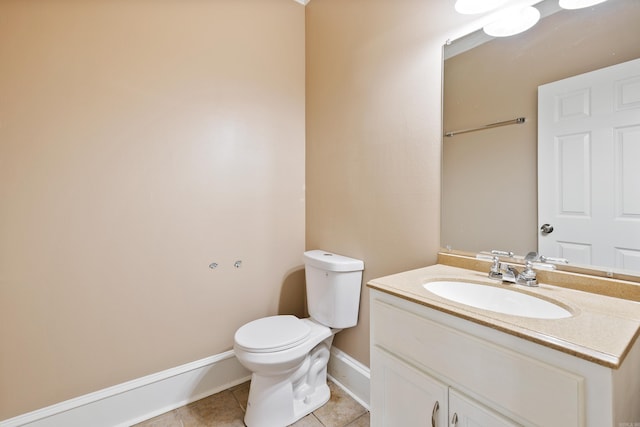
(489, 178)
(589, 139)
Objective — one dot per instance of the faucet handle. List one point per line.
(496, 269)
(547, 259)
(502, 253)
(528, 275)
(543, 266)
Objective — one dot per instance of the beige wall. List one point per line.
(373, 136)
(490, 177)
(140, 141)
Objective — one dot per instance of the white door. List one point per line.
(589, 167)
(464, 412)
(404, 396)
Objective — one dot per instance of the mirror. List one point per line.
(489, 177)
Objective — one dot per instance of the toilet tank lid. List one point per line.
(332, 262)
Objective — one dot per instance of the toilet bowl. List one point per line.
(288, 380)
(288, 356)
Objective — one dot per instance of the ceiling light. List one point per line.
(578, 4)
(512, 21)
(472, 7)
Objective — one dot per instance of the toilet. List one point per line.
(288, 356)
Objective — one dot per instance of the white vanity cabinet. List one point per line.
(403, 395)
(480, 376)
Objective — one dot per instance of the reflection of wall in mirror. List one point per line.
(489, 181)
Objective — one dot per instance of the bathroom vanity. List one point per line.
(437, 362)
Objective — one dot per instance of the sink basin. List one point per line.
(500, 300)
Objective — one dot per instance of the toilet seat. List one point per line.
(271, 334)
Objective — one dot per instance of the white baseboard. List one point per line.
(350, 375)
(143, 398)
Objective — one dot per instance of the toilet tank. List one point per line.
(333, 288)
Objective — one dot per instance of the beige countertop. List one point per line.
(602, 329)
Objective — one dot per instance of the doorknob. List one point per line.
(546, 228)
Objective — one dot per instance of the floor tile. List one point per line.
(241, 393)
(340, 410)
(219, 410)
(170, 419)
(362, 421)
(308, 421)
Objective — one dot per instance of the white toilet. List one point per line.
(288, 356)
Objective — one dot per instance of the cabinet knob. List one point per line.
(454, 419)
(434, 413)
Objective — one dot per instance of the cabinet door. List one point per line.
(401, 395)
(465, 412)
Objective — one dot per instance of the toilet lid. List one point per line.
(273, 333)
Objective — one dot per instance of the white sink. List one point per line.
(500, 300)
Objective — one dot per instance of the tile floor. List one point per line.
(226, 409)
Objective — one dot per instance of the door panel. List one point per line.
(589, 167)
(404, 396)
(465, 412)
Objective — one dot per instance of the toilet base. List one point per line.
(278, 401)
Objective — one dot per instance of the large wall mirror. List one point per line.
(490, 177)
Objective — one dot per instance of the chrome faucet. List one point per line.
(526, 277)
(508, 273)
